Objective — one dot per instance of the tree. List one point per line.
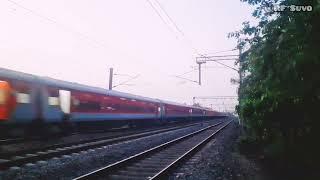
(279, 97)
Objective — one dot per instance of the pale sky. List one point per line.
(79, 40)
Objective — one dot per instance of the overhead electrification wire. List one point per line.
(222, 51)
(187, 72)
(207, 67)
(190, 43)
(186, 79)
(66, 28)
(226, 66)
(223, 56)
(124, 82)
(69, 29)
(117, 74)
(162, 19)
(183, 35)
(175, 25)
(177, 28)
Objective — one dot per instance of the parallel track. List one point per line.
(11, 141)
(18, 159)
(61, 145)
(157, 162)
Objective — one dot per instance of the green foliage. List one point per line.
(279, 97)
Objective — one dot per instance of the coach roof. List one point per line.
(76, 86)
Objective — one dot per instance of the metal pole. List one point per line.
(240, 72)
(199, 74)
(240, 80)
(110, 78)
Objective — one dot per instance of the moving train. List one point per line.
(33, 101)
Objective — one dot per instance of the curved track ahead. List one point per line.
(157, 162)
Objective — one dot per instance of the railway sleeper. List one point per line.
(122, 177)
(141, 169)
(148, 165)
(161, 155)
(152, 162)
(142, 175)
(176, 150)
(134, 173)
(160, 159)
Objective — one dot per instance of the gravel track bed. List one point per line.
(67, 167)
(218, 160)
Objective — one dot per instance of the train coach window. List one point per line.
(116, 106)
(53, 101)
(136, 109)
(89, 106)
(125, 107)
(23, 98)
(131, 108)
(75, 101)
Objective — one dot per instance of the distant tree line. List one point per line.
(279, 97)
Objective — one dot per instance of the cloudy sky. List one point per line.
(79, 40)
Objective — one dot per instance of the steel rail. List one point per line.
(108, 170)
(11, 141)
(69, 149)
(61, 145)
(165, 172)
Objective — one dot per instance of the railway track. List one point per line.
(8, 141)
(11, 141)
(109, 135)
(29, 156)
(157, 162)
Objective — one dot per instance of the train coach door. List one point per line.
(162, 111)
(7, 101)
(65, 101)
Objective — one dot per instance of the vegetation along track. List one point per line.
(157, 162)
(18, 159)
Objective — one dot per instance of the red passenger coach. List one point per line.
(102, 107)
(176, 111)
(198, 112)
(211, 113)
(27, 99)
(86, 105)
(18, 98)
